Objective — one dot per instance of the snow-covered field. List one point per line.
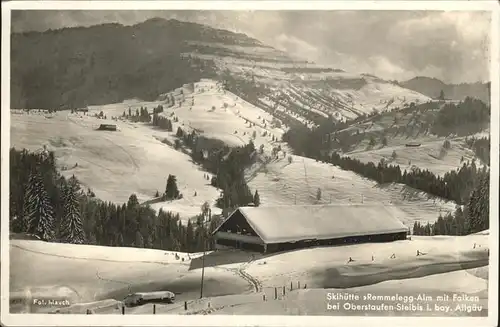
(222, 115)
(133, 159)
(280, 183)
(429, 155)
(114, 164)
(236, 283)
(315, 301)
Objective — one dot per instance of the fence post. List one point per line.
(185, 305)
(291, 286)
(123, 310)
(283, 290)
(275, 293)
(154, 309)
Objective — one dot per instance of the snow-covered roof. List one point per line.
(293, 223)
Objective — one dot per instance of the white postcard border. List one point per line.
(227, 320)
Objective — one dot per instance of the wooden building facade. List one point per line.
(276, 229)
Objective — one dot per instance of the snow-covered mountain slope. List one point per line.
(162, 54)
(282, 183)
(138, 157)
(299, 89)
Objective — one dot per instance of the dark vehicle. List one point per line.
(136, 299)
(107, 127)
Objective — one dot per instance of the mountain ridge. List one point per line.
(432, 87)
(109, 63)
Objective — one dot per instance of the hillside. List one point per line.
(139, 157)
(145, 67)
(428, 156)
(93, 273)
(282, 183)
(432, 87)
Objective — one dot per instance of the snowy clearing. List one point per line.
(282, 183)
(429, 155)
(115, 164)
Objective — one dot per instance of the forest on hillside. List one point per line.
(46, 204)
(108, 63)
(465, 185)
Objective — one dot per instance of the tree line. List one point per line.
(481, 147)
(472, 218)
(454, 185)
(141, 115)
(162, 122)
(46, 204)
(464, 118)
(227, 164)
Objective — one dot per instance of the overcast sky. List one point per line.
(451, 46)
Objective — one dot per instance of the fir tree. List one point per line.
(478, 209)
(171, 190)
(384, 141)
(71, 225)
(139, 240)
(372, 141)
(119, 240)
(256, 199)
(38, 211)
(180, 132)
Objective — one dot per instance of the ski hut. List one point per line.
(107, 127)
(283, 228)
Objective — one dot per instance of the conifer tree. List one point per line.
(478, 209)
(256, 199)
(119, 240)
(384, 141)
(171, 190)
(372, 141)
(71, 225)
(416, 228)
(38, 211)
(139, 240)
